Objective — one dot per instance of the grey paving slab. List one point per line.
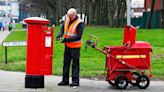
(14, 82)
(3, 35)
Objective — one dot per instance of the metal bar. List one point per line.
(101, 51)
(128, 5)
(131, 69)
(5, 54)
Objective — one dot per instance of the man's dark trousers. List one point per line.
(71, 54)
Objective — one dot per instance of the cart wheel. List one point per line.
(121, 82)
(143, 82)
(135, 75)
(111, 82)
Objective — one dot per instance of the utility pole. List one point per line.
(128, 5)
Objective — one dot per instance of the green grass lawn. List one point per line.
(92, 62)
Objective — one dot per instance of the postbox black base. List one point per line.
(34, 81)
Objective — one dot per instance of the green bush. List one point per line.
(18, 26)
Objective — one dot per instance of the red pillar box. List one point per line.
(39, 52)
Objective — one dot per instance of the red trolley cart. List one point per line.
(129, 63)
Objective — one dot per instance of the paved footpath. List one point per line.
(3, 35)
(14, 82)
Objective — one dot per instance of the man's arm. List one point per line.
(80, 29)
(61, 32)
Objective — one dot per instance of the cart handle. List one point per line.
(90, 42)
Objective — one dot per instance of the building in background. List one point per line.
(137, 7)
(9, 12)
(15, 11)
(158, 13)
(141, 11)
(157, 5)
(137, 10)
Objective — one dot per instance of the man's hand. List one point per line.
(58, 38)
(63, 40)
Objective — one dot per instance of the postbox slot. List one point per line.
(47, 31)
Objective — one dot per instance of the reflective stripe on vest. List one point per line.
(70, 32)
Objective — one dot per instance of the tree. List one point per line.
(111, 12)
(162, 15)
(148, 24)
(98, 12)
(91, 12)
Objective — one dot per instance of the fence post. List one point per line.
(5, 54)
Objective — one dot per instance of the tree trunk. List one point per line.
(148, 24)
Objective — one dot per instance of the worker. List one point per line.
(72, 29)
(1, 26)
(10, 27)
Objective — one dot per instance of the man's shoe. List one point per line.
(63, 83)
(74, 84)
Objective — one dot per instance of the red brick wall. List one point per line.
(157, 6)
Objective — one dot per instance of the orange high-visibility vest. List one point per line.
(71, 31)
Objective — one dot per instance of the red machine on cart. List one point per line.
(39, 51)
(129, 63)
